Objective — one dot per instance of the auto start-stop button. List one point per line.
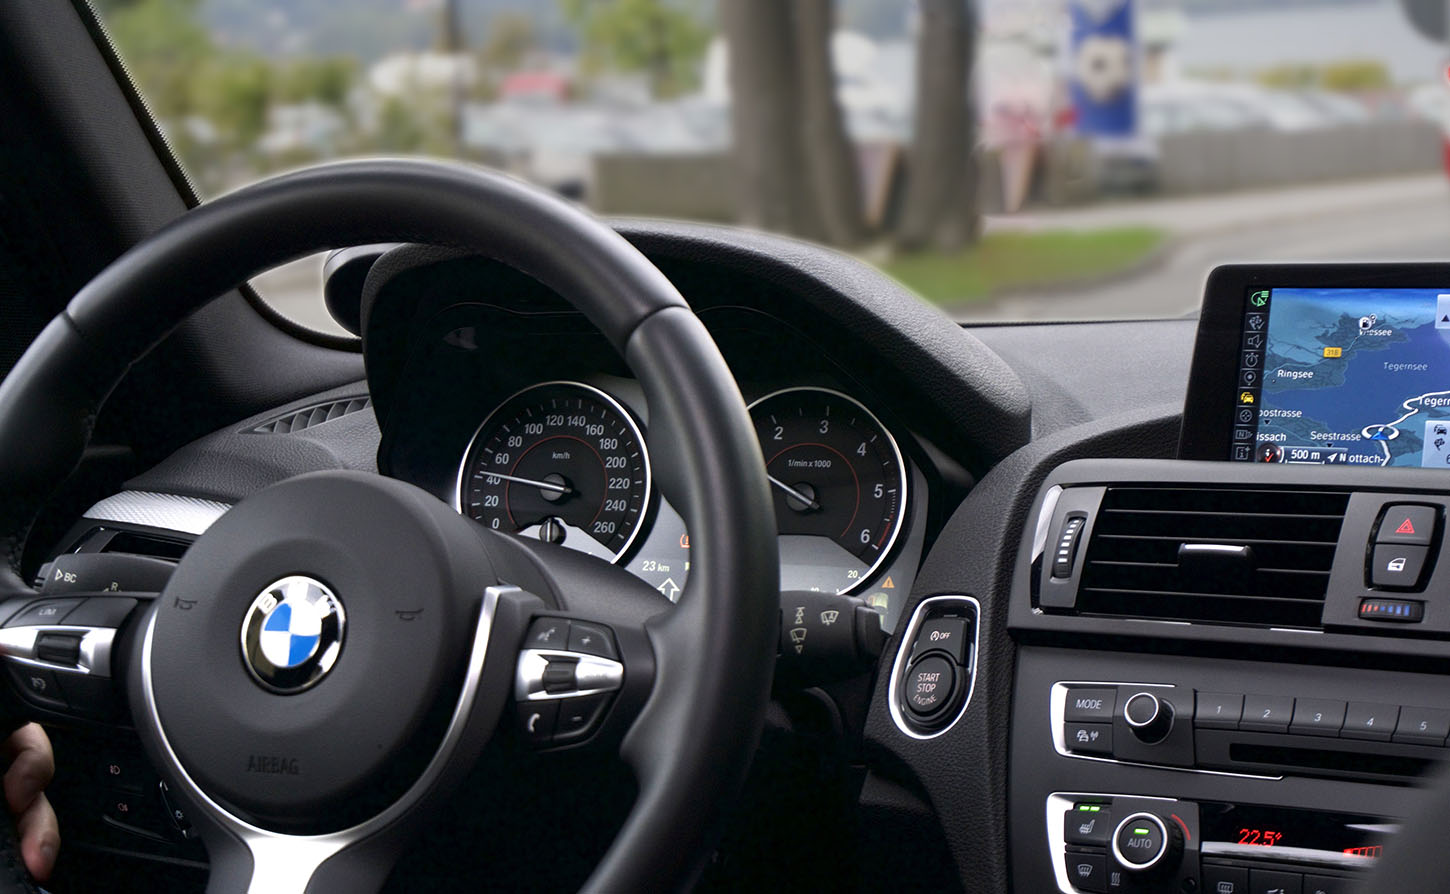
(929, 685)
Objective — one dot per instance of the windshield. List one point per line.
(1009, 160)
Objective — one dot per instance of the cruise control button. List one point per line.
(1087, 871)
(929, 685)
(1422, 726)
(1407, 524)
(1267, 713)
(591, 639)
(1091, 705)
(1366, 720)
(1218, 710)
(1088, 824)
(946, 634)
(1397, 566)
(1088, 738)
(579, 717)
(46, 611)
(38, 685)
(101, 611)
(548, 633)
(1317, 717)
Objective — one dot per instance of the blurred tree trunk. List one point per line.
(940, 205)
(794, 163)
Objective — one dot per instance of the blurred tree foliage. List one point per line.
(1348, 76)
(663, 39)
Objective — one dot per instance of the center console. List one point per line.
(1231, 667)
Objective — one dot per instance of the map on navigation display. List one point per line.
(1347, 376)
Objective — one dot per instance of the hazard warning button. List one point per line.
(1407, 524)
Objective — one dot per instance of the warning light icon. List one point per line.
(1406, 527)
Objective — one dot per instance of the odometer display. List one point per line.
(838, 483)
(562, 462)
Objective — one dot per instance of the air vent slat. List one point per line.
(307, 417)
(1147, 555)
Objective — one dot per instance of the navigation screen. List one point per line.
(1344, 376)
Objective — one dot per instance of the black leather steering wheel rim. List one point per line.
(698, 741)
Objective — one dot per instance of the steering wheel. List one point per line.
(332, 655)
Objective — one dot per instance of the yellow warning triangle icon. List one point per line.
(889, 585)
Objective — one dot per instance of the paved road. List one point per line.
(1401, 219)
(1406, 218)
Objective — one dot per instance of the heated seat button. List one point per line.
(1413, 525)
(1088, 824)
(1397, 566)
(929, 685)
(1091, 705)
(1367, 720)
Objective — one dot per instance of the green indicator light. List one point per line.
(1094, 809)
(1140, 831)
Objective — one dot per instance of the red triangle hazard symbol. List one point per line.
(1406, 527)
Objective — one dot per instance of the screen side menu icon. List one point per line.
(1442, 311)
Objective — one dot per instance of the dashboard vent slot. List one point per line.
(1221, 555)
(305, 418)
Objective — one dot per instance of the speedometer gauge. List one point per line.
(839, 486)
(562, 462)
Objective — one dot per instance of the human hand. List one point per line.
(31, 768)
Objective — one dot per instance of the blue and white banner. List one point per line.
(1103, 67)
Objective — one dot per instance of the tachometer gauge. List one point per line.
(562, 462)
(839, 486)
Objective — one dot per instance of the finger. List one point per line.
(39, 838)
(32, 766)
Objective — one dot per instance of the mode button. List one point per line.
(1090, 705)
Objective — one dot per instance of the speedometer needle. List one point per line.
(560, 489)
(809, 502)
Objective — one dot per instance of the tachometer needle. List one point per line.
(799, 497)
(560, 489)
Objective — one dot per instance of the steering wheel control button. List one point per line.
(46, 611)
(579, 717)
(1091, 705)
(292, 634)
(1365, 720)
(1088, 871)
(106, 573)
(1410, 525)
(592, 639)
(1218, 710)
(536, 721)
(548, 633)
(1317, 717)
(1088, 825)
(1422, 726)
(1398, 567)
(1267, 713)
(38, 685)
(1140, 842)
(1149, 717)
(929, 686)
(101, 611)
(1088, 738)
(58, 648)
(559, 675)
(947, 635)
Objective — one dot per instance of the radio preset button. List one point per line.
(1422, 726)
(1317, 717)
(1218, 710)
(1267, 713)
(1367, 720)
(1091, 705)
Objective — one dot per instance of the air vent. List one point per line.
(1232, 556)
(305, 418)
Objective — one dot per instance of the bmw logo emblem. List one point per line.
(292, 634)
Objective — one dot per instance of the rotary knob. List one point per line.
(1148, 716)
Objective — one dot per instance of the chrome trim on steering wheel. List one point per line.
(284, 864)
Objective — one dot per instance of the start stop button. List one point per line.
(929, 686)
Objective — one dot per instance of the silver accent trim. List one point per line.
(1157, 709)
(592, 675)
(1118, 854)
(869, 574)
(1059, 804)
(898, 665)
(18, 645)
(285, 864)
(609, 401)
(1057, 712)
(1044, 520)
(171, 512)
(1285, 854)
